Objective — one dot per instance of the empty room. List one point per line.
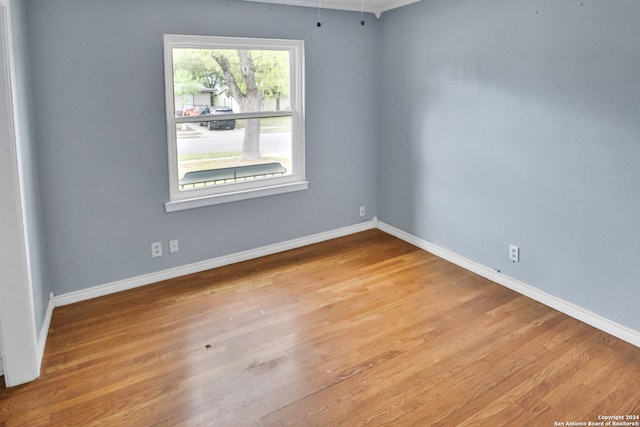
(304, 212)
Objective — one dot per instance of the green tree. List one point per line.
(241, 81)
(202, 68)
(249, 76)
(184, 85)
(273, 74)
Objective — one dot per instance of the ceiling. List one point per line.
(371, 6)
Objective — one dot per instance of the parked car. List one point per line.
(196, 111)
(218, 124)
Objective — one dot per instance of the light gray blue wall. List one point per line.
(519, 122)
(39, 271)
(98, 90)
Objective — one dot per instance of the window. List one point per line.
(235, 118)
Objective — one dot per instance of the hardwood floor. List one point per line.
(364, 329)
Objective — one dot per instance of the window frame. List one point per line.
(230, 192)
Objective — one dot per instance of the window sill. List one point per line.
(216, 199)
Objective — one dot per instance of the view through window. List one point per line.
(234, 109)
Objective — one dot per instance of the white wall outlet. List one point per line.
(156, 249)
(363, 210)
(173, 246)
(514, 253)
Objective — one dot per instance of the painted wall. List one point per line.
(519, 122)
(103, 163)
(33, 208)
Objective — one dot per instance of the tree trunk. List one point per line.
(251, 143)
(248, 102)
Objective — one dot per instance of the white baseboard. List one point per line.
(626, 334)
(122, 285)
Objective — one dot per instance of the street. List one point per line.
(277, 144)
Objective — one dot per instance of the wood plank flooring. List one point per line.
(361, 330)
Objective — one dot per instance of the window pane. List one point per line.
(235, 118)
(245, 81)
(218, 152)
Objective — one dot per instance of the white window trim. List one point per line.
(205, 196)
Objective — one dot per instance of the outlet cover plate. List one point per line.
(514, 253)
(156, 249)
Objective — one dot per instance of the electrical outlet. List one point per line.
(514, 253)
(363, 210)
(156, 249)
(173, 246)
